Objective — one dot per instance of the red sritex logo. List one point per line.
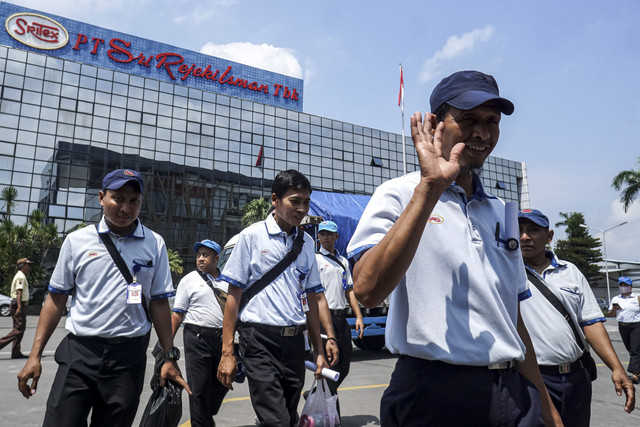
(36, 31)
(129, 173)
(436, 219)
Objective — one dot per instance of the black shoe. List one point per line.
(634, 378)
(19, 356)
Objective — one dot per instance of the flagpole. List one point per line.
(401, 105)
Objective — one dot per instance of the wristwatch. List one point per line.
(174, 354)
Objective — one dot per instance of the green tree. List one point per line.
(175, 262)
(33, 240)
(9, 195)
(579, 247)
(254, 211)
(629, 182)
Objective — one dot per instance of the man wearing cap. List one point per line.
(429, 239)
(271, 324)
(338, 291)
(18, 308)
(198, 304)
(563, 360)
(101, 362)
(626, 308)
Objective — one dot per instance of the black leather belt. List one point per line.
(342, 312)
(285, 331)
(566, 368)
(110, 341)
(203, 330)
(628, 323)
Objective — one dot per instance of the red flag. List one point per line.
(401, 94)
(260, 154)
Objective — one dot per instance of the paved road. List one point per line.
(359, 397)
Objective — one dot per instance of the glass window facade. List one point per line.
(63, 125)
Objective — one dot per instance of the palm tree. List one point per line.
(9, 196)
(630, 179)
(175, 262)
(254, 211)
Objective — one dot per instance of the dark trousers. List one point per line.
(16, 334)
(433, 393)
(203, 347)
(343, 336)
(571, 395)
(630, 333)
(275, 369)
(95, 375)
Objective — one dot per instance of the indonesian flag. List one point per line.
(260, 155)
(401, 94)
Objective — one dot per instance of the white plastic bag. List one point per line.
(320, 409)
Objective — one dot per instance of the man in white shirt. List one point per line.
(271, 323)
(198, 304)
(101, 362)
(559, 354)
(338, 290)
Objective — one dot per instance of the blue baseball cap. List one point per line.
(328, 226)
(209, 244)
(625, 281)
(535, 216)
(468, 89)
(119, 177)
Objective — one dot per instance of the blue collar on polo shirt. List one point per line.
(138, 232)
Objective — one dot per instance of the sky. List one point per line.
(569, 67)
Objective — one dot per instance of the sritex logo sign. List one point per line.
(36, 31)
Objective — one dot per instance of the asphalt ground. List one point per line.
(359, 395)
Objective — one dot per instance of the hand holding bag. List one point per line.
(320, 408)
(164, 408)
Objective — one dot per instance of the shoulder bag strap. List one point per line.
(122, 266)
(275, 271)
(335, 258)
(217, 292)
(557, 304)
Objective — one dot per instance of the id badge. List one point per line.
(134, 294)
(304, 301)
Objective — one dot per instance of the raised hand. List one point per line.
(438, 163)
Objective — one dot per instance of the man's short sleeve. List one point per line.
(382, 211)
(162, 284)
(181, 303)
(63, 277)
(236, 270)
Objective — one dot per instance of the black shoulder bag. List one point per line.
(275, 271)
(221, 295)
(587, 359)
(122, 266)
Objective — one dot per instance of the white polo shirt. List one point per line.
(629, 308)
(86, 271)
(334, 279)
(197, 301)
(261, 246)
(552, 337)
(458, 301)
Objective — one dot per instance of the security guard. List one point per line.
(559, 354)
(197, 303)
(101, 362)
(18, 308)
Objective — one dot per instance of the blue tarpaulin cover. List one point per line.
(343, 209)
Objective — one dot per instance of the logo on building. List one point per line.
(36, 31)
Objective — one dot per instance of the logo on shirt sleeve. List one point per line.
(436, 219)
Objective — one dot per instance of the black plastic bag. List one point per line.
(164, 408)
